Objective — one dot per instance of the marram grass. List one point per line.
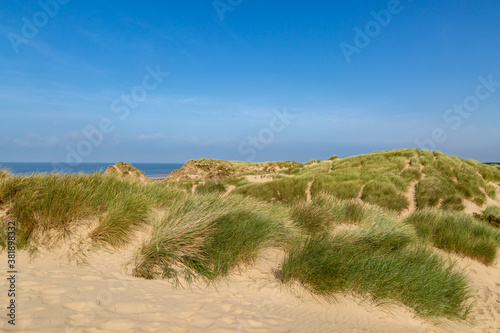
(492, 210)
(413, 276)
(44, 203)
(209, 236)
(458, 233)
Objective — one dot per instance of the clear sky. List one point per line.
(166, 81)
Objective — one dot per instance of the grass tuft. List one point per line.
(45, 203)
(492, 210)
(385, 194)
(116, 227)
(428, 192)
(209, 236)
(416, 277)
(458, 233)
(312, 217)
(210, 187)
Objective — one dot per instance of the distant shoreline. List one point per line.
(27, 168)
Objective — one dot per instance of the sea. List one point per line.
(28, 168)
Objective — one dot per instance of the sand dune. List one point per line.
(57, 296)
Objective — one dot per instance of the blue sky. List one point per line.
(86, 81)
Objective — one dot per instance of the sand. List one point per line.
(259, 178)
(57, 296)
(472, 208)
(410, 195)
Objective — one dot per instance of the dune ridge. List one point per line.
(83, 275)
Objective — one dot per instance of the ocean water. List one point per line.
(22, 168)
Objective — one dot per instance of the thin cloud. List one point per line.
(151, 137)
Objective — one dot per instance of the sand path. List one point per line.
(360, 194)
(410, 195)
(472, 208)
(308, 191)
(229, 189)
(407, 166)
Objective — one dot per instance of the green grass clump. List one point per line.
(385, 194)
(411, 174)
(45, 203)
(210, 187)
(490, 219)
(209, 236)
(416, 277)
(428, 192)
(492, 210)
(311, 216)
(458, 233)
(491, 191)
(285, 190)
(325, 213)
(453, 202)
(491, 216)
(242, 183)
(116, 226)
(329, 185)
(292, 171)
(186, 185)
(348, 211)
(451, 176)
(341, 211)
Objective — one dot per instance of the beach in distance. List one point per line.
(401, 240)
(27, 168)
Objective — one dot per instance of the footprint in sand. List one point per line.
(153, 327)
(229, 320)
(28, 283)
(53, 291)
(35, 288)
(118, 325)
(184, 315)
(129, 308)
(203, 323)
(86, 288)
(90, 278)
(167, 296)
(79, 306)
(50, 300)
(31, 285)
(31, 310)
(77, 320)
(228, 307)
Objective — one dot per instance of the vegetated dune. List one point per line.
(126, 171)
(378, 242)
(218, 170)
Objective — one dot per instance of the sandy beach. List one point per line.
(57, 296)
